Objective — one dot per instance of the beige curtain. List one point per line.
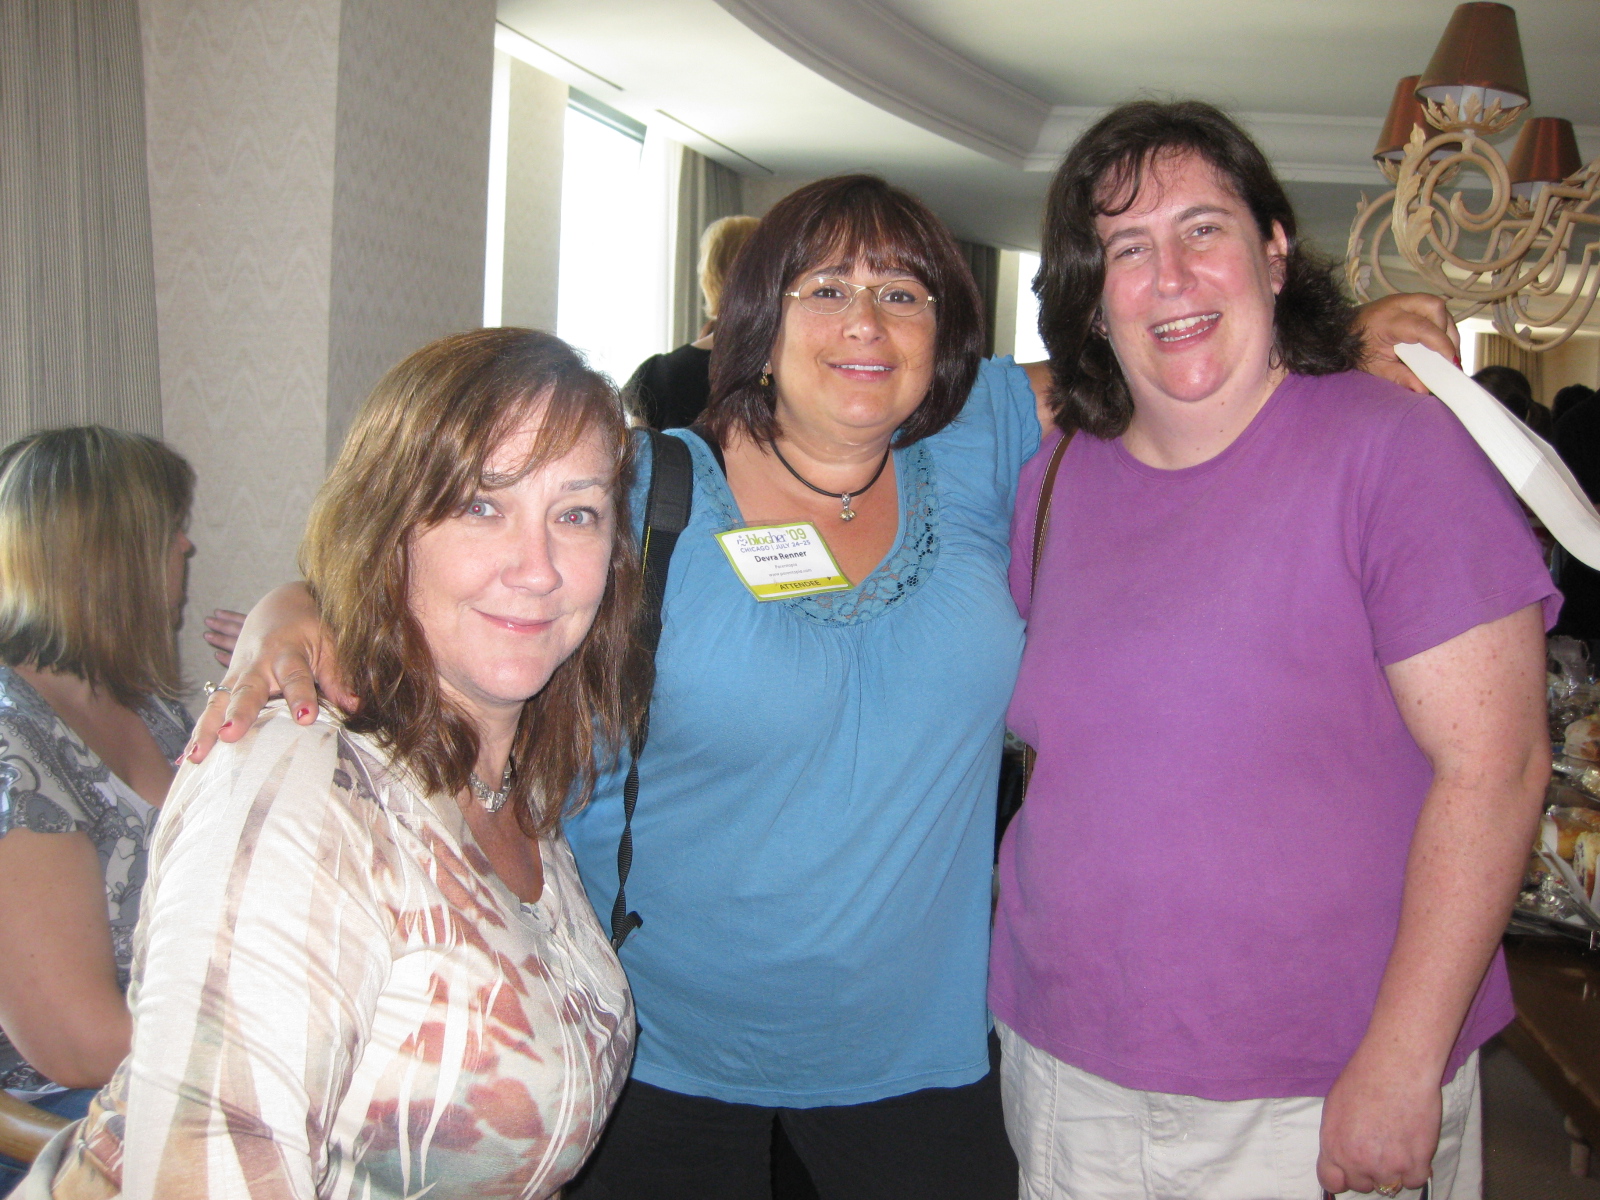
(1495, 350)
(985, 264)
(77, 282)
(707, 191)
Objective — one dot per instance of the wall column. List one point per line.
(535, 136)
(317, 180)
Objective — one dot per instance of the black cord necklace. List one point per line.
(846, 513)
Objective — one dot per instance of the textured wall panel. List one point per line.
(536, 124)
(411, 186)
(77, 289)
(240, 101)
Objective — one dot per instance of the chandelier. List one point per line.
(1514, 255)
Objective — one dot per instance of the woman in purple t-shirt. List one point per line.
(1284, 674)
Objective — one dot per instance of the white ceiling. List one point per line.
(969, 102)
(1329, 57)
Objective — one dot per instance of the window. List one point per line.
(605, 290)
(1030, 347)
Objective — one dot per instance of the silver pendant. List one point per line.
(492, 800)
(846, 513)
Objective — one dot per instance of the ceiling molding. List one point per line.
(874, 54)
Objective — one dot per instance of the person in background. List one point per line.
(366, 966)
(92, 569)
(1577, 440)
(1285, 678)
(813, 843)
(668, 391)
(1567, 399)
(1510, 386)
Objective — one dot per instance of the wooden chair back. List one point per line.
(25, 1129)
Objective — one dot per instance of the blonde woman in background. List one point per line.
(92, 562)
(366, 967)
(669, 391)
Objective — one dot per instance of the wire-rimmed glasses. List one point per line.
(828, 296)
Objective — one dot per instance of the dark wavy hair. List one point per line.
(1101, 176)
(841, 221)
(415, 454)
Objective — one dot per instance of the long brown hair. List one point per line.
(415, 455)
(87, 519)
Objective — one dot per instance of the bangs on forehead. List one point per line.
(564, 416)
(563, 420)
(1117, 190)
(1119, 185)
(880, 240)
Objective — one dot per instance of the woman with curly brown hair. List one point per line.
(366, 966)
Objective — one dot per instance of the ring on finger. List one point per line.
(212, 689)
(1390, 1189)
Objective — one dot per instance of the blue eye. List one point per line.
(479, 507)
(578, 516)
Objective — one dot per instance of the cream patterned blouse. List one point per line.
(334, 996)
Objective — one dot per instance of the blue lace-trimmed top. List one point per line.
(50, 782)
(915, 551)
(813, 839)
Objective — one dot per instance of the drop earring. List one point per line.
(766, 375)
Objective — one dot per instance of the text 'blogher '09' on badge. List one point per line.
(775, 561)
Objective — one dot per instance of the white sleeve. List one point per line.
(262, 950)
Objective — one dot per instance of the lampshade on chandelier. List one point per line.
(1514, 257)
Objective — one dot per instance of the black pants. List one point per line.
(935, 1144)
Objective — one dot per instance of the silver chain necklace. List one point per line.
(492, 800)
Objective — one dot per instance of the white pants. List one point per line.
(1080, 1137)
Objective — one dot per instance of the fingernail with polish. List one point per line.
(226, 725)
(301, 713)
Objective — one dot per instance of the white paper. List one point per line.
(1529, 463)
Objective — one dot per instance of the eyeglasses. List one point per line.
(828, 296)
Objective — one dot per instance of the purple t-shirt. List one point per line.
(1202, 890)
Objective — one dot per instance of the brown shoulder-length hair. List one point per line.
(841, 222)
(1101, 176)
(87, 519)
(415, 455)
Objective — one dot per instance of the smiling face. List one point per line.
(1190, 288)
(857, 374)
(506, 588)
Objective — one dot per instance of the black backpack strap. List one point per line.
(666, 513)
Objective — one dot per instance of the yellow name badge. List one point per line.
(775, 561)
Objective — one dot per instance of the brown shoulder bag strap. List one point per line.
(1041, 526)
(1041, 517)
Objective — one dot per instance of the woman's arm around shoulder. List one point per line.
(282, 649)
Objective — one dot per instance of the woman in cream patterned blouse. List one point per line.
(365, 966)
